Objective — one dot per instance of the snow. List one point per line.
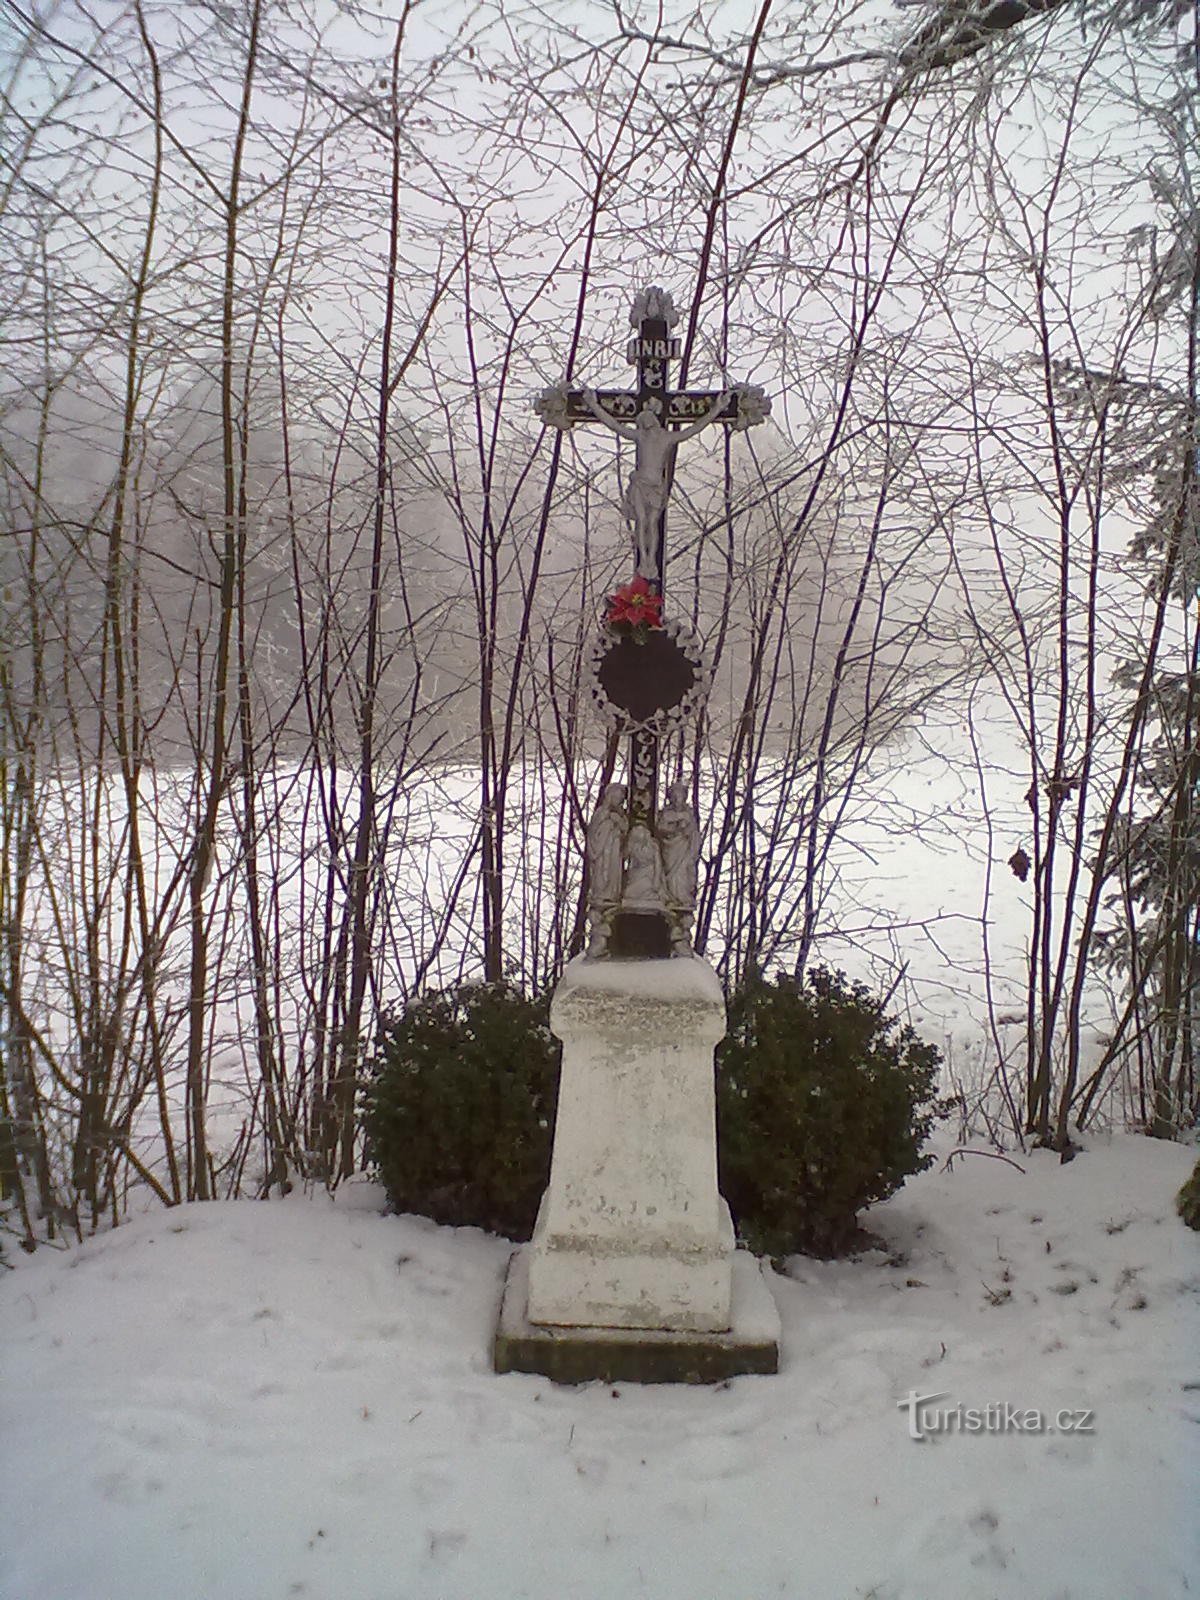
(247, 1401)
(678, 981)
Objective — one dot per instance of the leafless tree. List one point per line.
(298, 595)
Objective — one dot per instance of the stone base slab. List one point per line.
(639, 1355)
(639, 1280)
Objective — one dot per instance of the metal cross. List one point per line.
(656, 419)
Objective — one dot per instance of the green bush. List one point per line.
(823, 1104)
(459, 1107)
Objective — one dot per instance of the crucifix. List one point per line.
(649, 683)
(656, 418)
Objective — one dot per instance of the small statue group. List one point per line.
(632, 867)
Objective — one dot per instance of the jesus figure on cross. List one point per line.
(649, 483)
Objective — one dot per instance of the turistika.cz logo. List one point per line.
(926, 1417)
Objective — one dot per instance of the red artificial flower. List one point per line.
(636, 605)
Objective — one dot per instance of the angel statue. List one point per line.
(679, 835)
(605, 850)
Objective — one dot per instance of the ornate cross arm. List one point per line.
(717, 412)
(591, 402)
(741, 406)
(752, 406)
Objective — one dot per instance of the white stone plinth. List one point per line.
(640, 1355)
(632, 1231)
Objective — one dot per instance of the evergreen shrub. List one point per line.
(823, 1104)
(459, 1107)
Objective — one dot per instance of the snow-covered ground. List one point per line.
(248, 1401)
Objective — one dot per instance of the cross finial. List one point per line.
(653, 302)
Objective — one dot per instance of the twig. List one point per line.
(992, 1155)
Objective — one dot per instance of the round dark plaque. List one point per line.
(651, 684)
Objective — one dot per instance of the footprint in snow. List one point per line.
(1076, 1449)
(983, 1551)
(593, 1468)
(340, 1361)
(446, 1541)
(709, 1460)
(428, 1487)
(127, 1488)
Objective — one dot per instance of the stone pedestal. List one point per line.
(632, 1233)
